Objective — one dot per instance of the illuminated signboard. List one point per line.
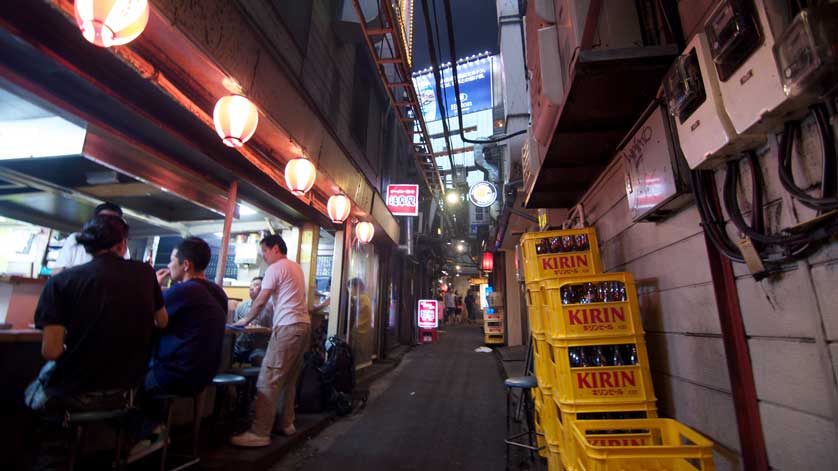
(483, 194)
(403, 200)
(475, 81)
(428, 317)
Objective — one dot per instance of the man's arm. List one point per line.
(161, 318)
(256, 307)
(52, 342)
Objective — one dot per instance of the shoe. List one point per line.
(140, 447)
(289, 430)
(250, 440)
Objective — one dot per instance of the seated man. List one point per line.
(98, 321)
(189, 350)
(250, 348)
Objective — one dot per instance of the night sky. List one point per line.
(475, 29)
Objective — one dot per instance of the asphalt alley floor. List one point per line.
(442, 408)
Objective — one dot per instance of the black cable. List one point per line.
(437, 78)
(449, 25)
(828, 201)
(712, 223)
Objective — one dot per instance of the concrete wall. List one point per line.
(782, 316)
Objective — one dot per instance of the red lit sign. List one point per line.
(428, 314)
(403, 200)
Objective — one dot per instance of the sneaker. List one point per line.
(250, 440)
(140, 447)
(289, 430)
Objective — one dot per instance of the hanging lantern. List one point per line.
(108, 23)
(299, 175)
(443, 287)
(365, 231)
(235, 119)
(488, 261)
(339, 207)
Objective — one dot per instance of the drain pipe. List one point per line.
(408, 237)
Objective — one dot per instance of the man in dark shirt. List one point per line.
(98, 318)
(189, 352)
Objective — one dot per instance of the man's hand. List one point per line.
(240, 323)
(162, 275)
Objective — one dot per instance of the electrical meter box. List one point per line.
(741, 37)
(656, 172)
(694, 99)
(807, 57)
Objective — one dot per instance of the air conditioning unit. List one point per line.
(532, 156)
(618, 24)
(546, 81)
(694, 99)
(741, 34)
(545, 10)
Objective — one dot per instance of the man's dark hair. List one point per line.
(356, 282)
(274, 240)
(260, 278)
(107, 207)
(102, 233)
(196, 251)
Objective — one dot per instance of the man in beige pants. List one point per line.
(284, 284)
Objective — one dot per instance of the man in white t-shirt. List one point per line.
(284, 284)
(72, 253)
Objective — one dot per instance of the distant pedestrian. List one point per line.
(470, 308)
(450, 306)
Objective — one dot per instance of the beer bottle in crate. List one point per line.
(569, 296)
(588, 293)
(555, 245)
(542, 246)
(576, 357)
(581, 241)
(568, 243)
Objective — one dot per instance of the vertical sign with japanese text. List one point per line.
(403, 200)
(428, 317)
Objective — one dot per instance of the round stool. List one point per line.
(525, 384)
(166, 440)
(221, 382)
(251, 375)
(79, 422)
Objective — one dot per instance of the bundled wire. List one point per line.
(828, 201)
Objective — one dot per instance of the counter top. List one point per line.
(18, 279)
(34, 335)
(20, 335)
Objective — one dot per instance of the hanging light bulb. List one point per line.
(235, 119)
(339, 207)
(299, 175)
(107, 23)
(365, 231)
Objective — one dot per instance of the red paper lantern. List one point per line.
(107, 23)
(339, 207)
(300, 175)
(443, 287)
(235, 119)
(488, 261)
(365, 231)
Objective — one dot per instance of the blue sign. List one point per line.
(475, 81)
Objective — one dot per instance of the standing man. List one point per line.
(284, 284)
(450, 306)
(470, 304)
(73, 253)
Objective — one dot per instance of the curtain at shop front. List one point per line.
(362, 289)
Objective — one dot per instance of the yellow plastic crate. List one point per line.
(566, 418)
(554, 461)
(590, 320)
(606, 387)
(669, 446)
(550, 420)
(540, 437)
(540, 265)
(535, 308)
(493, 339)
(543, 367)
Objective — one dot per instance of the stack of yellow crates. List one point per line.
(597, 402)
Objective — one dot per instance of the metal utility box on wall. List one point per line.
(694, 99)
(656, 173)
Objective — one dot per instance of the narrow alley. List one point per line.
(441, 409)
